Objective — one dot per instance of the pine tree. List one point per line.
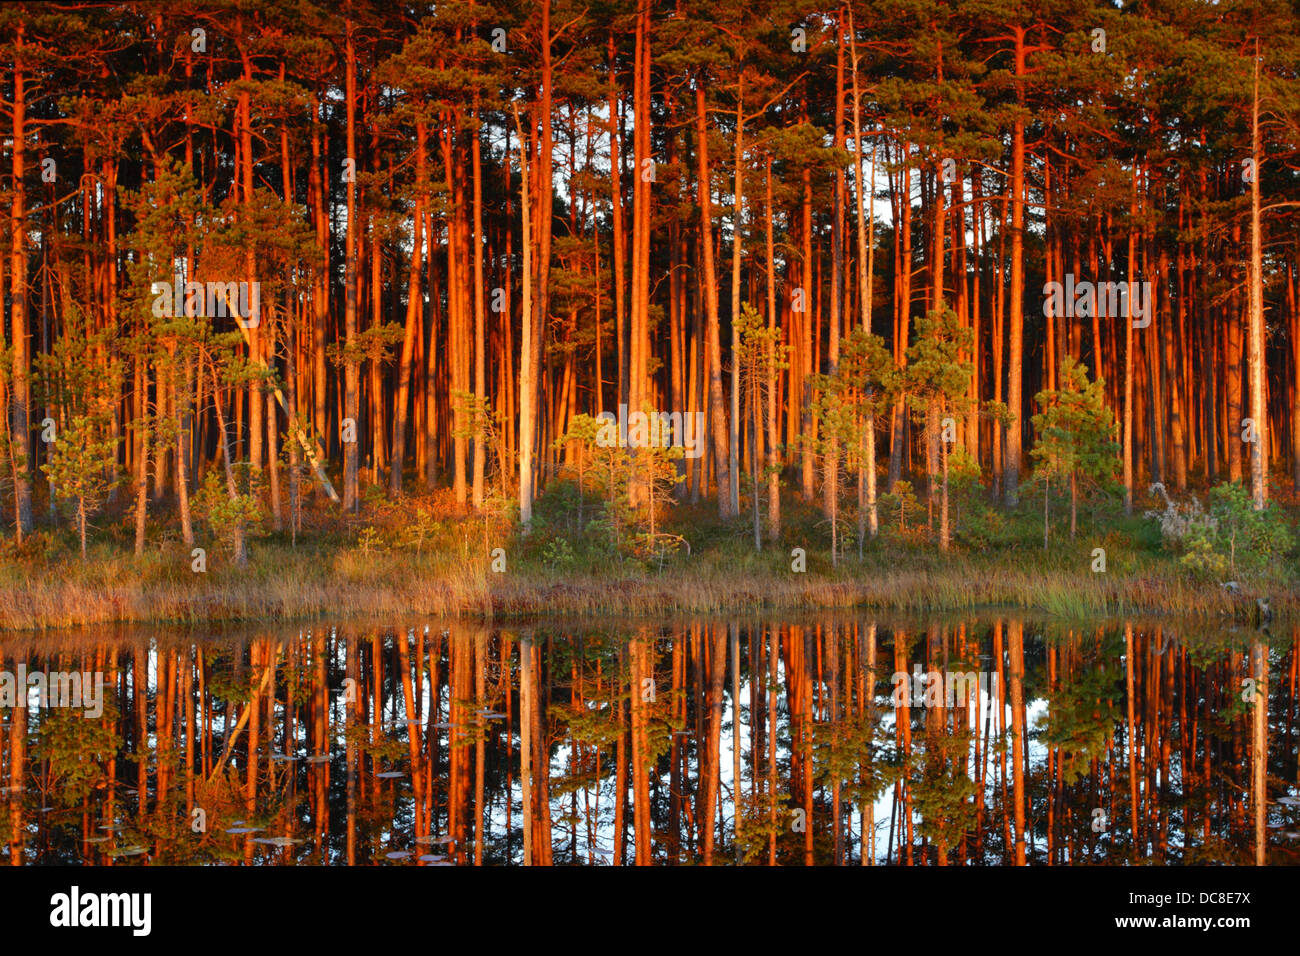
(1075, 437)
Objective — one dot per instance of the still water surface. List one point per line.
(837, 738)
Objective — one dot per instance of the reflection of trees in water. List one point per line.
(467, 744)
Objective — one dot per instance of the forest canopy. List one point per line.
(869, 245)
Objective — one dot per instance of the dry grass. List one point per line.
(281, 584)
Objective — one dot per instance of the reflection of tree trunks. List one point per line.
(903, 737)
(1187, 737)
(983, 760)
(165, 715)
(320, 731)
(427, 773)
(255, 653)
(435, 715)
(710, 769)
(187, 697)
(867, 705)
(1132, 751)
(700, 712)
(675, 753)
(1237, 749)
(803, 638)
(757, 741)
(526, 692)
(458, 786)
(1053, 764)
(1286, 718)
(578, 704)
(507, 682)
(376, 703)
(736, 794)
(349, 710)
(837, 809)
(17, 770)
(541, 766)
(1172, 708)
(642, 693)
(1015, 647)
(773, 689)
(412, 731)
(1166, 743)
(140, 707)
(1152, 740)
(480, 725)
(936, 730)
(1259, 747)
(620, 771)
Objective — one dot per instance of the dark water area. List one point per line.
(843, 738)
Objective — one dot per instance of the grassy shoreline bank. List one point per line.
(283, 584)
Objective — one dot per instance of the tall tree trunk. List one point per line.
(527, 369)
(718, 414)
(20, 431)
(480, 334)
(831, 475)
(414, 313)
(351, 370)
(1015, 399)
(773, 343)
(1128, 357)
(737, 249)
(1259, 451)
